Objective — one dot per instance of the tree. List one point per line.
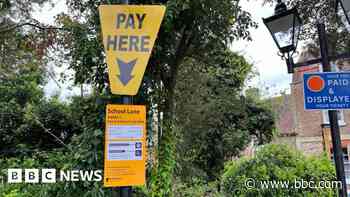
(30, 121)
(47, 124)
(214, 121)
(278, 163)
(210, 116)
(24, 44)
(260, 116)
(23, 39)
(191, 29)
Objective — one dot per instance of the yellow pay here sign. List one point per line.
(129, 33)
(125, 145)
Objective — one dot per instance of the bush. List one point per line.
(196, 188)
(279, 165)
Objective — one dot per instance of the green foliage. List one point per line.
(196, 189)
(253, 94)
(47, 124)
(26, 118)
(260, 123)
(277, 163)
(42, 125)
(50, 133)
(161, 180)
(85, 152)
(23, 39)
(10, 118)
(216, 122)
(190, 29)
(37, 132)
(21, 84)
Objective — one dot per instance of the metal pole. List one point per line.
(126, 191)
(333, 116)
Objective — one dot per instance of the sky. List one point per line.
(46, 14)
(261, 52)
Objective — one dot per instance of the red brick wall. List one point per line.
(308, 123)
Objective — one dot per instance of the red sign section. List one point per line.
(315, 83)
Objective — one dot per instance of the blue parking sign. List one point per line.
(326, 91)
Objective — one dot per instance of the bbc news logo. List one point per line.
(51, 175)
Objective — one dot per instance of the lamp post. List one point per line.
(344, 6)
(284, 27)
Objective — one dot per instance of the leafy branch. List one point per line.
(13, 27)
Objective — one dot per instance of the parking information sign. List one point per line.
(129, 33)
(326, 91)
(125, 150)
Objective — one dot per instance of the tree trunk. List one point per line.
(162, 184)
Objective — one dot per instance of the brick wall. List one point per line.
(308, 123)
(306, 126)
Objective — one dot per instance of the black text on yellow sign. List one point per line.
(129, 33)
(125, 145)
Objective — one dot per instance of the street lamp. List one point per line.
(285, 27)
(345, 8)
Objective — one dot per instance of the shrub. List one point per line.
(278, 165)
